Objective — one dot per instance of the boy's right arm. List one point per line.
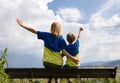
(81, 29)
(26, 27)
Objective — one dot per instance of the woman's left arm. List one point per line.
(70, 56)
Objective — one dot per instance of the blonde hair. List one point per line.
(55, 29)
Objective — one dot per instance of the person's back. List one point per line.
(73, 49)
(52, 47)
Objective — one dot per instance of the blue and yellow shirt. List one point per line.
(73, 49)
(52, 47)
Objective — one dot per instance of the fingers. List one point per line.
(81, 29)
(17, 19)
(76, 60)
(19, 22)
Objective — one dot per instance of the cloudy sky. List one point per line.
(100, 40)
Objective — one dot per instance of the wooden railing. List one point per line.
(21, 73)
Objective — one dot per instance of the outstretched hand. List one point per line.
(81, 29)
(19, 22)
(26, 27)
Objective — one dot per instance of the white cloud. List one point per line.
(99, 21)
(10, 4)
(109, 6)
(108, 15)
(70, 14)
(100, 46)
(114, 20)
(105, 37)
(19, 41)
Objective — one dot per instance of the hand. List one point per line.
(81, 29)
(76, 61)
(19, 22)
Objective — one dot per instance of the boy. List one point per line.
(73, 49)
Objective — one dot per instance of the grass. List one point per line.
(63, 80)
(4, 78)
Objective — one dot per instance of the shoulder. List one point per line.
(42, 33)
(60, 37)
(76, 42)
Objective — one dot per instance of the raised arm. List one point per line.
(81, 29)
(70, 56)
(26, 27)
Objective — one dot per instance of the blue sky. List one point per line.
(85, 6)
(100, 40)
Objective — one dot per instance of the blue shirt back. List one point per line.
(55, 44)
(73, 49)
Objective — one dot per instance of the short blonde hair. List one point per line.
(55, 29)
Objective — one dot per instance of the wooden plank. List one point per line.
(109, 72)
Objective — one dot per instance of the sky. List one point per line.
(100, 19)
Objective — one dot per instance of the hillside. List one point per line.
(115, 63)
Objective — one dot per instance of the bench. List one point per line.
(85, 72)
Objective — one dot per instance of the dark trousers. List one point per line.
(69, 67)
(52, 66)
